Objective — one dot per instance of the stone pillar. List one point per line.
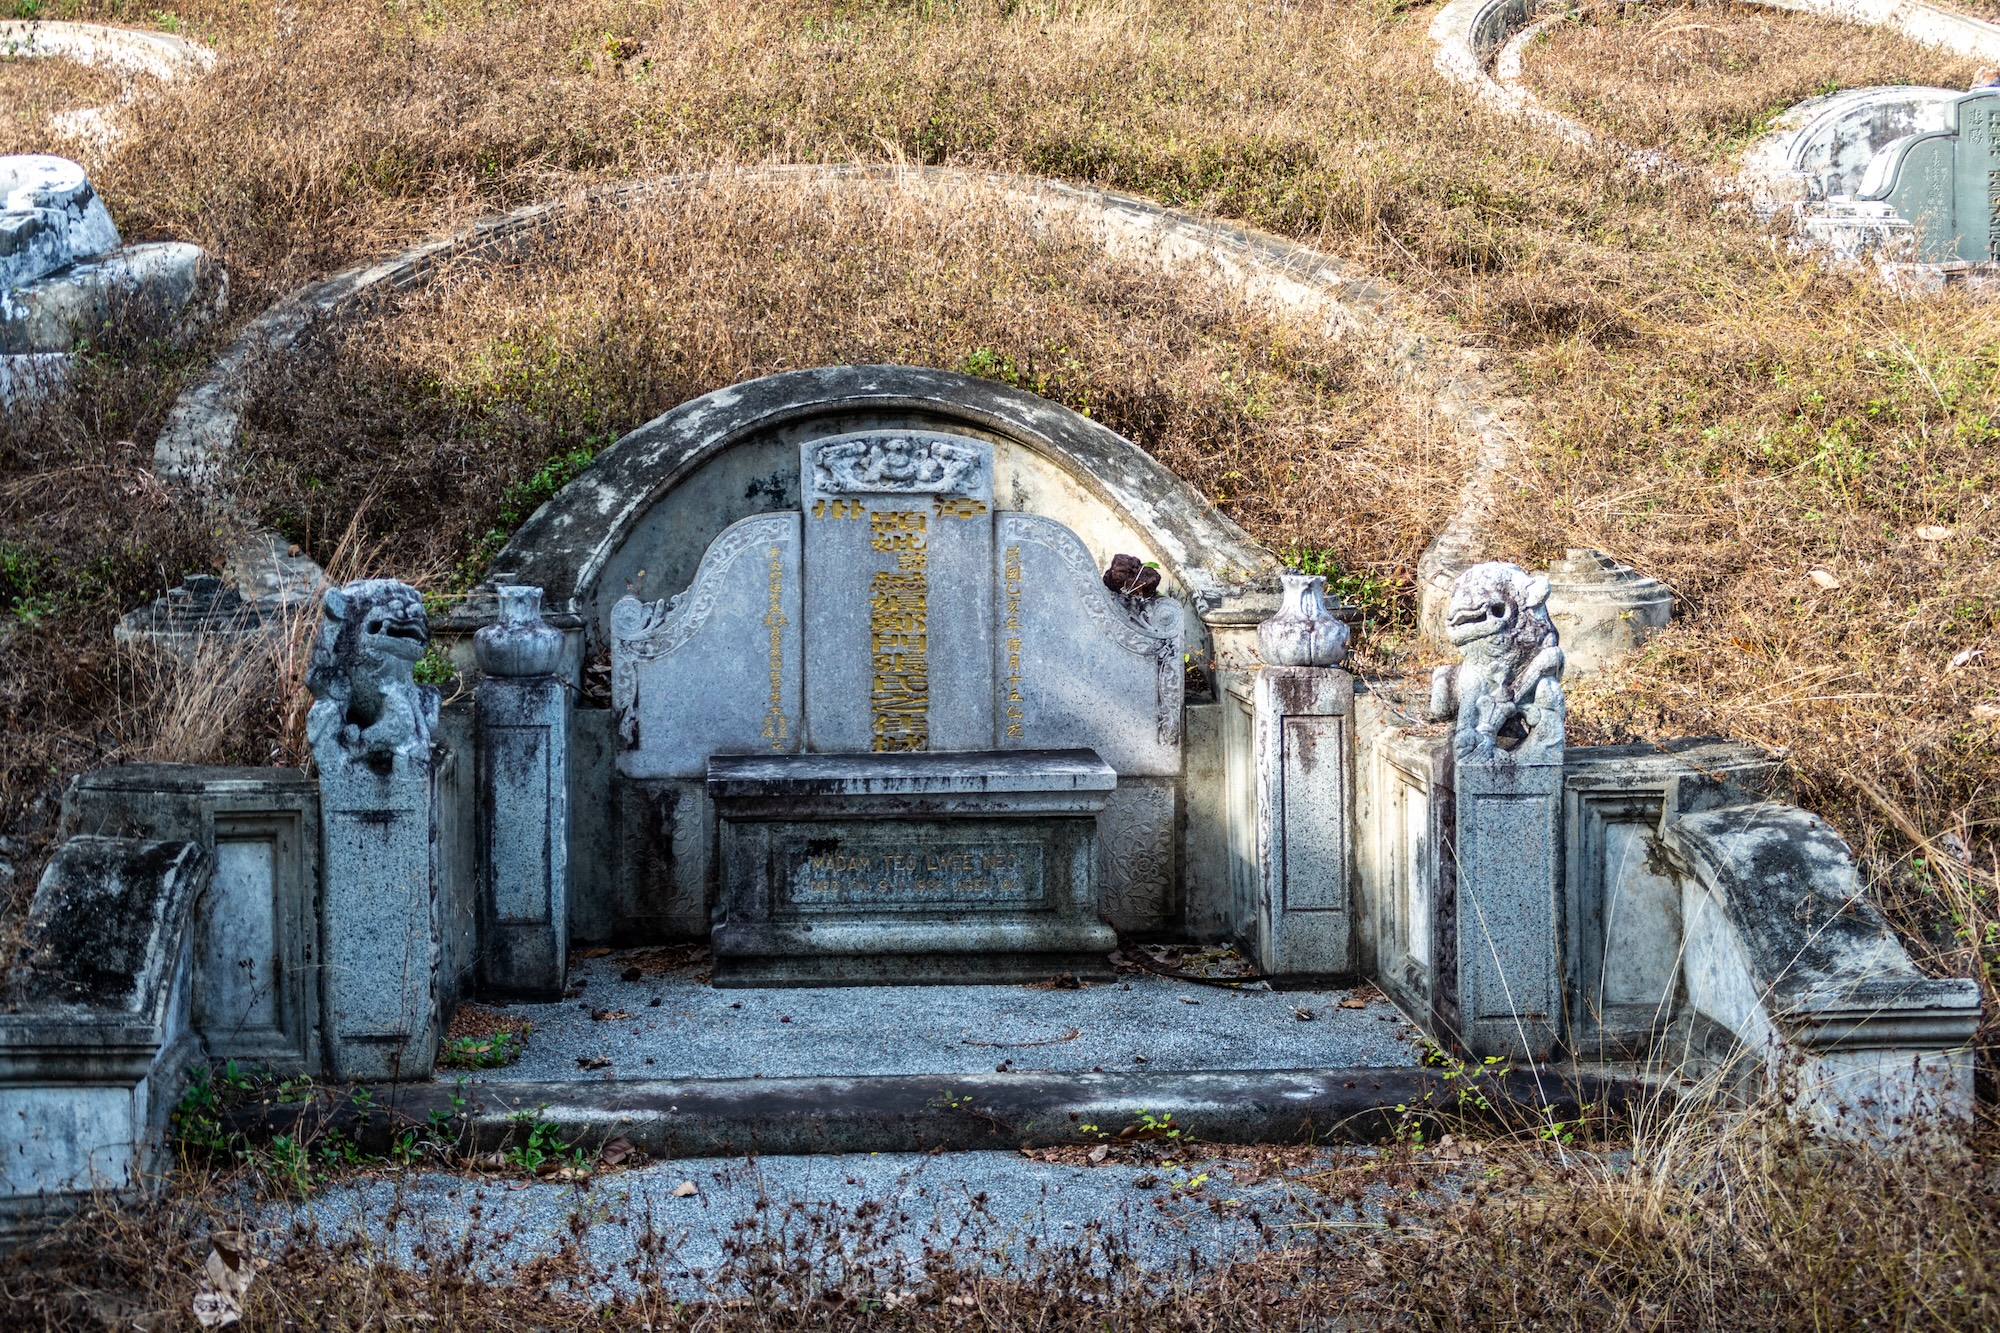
(1507, 851)
(1303, 744)
(370, 730)
(1499, 971)
(524, 710)
(1304, 721)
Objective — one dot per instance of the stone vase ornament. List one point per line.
(520, 642)
(1304, 633)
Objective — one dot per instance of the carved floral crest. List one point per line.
(901, 462)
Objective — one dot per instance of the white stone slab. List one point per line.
(717, 669)
(1077, 665)
(899, 555)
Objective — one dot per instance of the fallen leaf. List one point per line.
(685, 1190)
(225, 1278)
(1931, 532)
(1986, 712)
(615, 1151)
(595, 951)
(962, 1302)
(1100, 1152)
(630, 974)
(1823, 579)
(609, 1015)
(1965, 657)
(1189, 999)
(592, 1062)
(1353, 1002)
(1303, 1014)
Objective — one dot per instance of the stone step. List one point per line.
(923, 1113)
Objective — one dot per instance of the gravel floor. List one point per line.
(868, 1218)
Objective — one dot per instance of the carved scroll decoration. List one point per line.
(648, 631)
(1151, 628)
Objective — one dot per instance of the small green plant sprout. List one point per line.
(1146, 1125)
(1561, 1132)
(541, 1149)
(486, 1052)
(434, 667)
(1191, 1183)
(952, 1101)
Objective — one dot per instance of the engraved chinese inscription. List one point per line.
(776, 729)
(899, 633)
(910, 874)
(1010, 625)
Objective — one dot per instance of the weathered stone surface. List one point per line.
(898, 609)
(1305, 760)
(256, 949)
(1405, 821)
(1304, 633)
(1822, 147)
(1623, 946)
(909, 867)
(651, 503)
(1137, 838)
(1947, 184)
(1505, 928)
(1603, 610)
(1506, 692)
(524, 802)
(95, 1033)
(370, 729)
(49, 219)
(718, 669)
(1077, 665)
(1785, 951)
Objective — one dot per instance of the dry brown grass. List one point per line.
(1691, 1224)
(617, 315)
(1705, 76)
(32, 90)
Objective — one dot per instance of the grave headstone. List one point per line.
(1947, 184)
(898, 605)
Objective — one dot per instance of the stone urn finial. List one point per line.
(1304, 632)
(520, 642)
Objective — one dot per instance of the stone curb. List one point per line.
(202, 427)
(922, 1113)
(127, 52)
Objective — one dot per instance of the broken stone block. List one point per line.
(96, 1036)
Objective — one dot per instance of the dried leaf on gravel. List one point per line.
(593, 1062)
(685, 1190)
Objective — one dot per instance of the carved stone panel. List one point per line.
(1136, 838)
(1077, 665)
(717, 669)
(899, 551)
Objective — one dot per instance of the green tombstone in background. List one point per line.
(1948, 185)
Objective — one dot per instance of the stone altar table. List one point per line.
(909, 867)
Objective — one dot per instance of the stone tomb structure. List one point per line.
(878, 674)
(897, 613)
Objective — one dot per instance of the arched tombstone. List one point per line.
(1947, 183)
(822, 570)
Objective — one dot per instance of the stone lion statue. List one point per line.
(366, 704)
(1506, 691)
